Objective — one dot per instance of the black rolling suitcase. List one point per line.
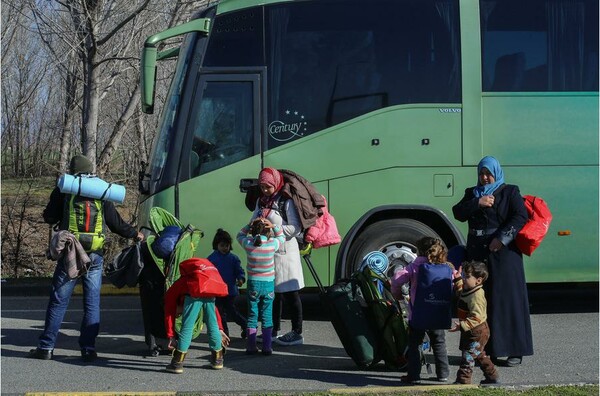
(348, 316)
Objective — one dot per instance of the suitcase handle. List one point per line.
(312, 270)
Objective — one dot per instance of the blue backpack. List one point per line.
(164, 245)
(432, 308)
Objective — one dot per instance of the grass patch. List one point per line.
(571, 390)
(553, 390)
(38, 188)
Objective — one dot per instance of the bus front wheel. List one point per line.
(396, 238)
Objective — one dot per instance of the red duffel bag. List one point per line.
(536, 228)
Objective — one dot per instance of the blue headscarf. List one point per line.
(491, 164)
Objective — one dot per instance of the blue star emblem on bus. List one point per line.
(290, 126)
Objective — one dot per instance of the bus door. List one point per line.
(223, 136)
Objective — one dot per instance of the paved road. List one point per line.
(566, 346)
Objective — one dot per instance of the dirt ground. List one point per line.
(25, 236)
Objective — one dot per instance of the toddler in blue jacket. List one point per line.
(233, 274)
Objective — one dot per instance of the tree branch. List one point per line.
(123, 23)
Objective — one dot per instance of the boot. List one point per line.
(176, 365)
(251, 342)
(267, 343)
(216, 359)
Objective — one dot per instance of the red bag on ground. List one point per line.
(532, 233)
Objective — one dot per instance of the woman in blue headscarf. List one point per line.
(495, 213)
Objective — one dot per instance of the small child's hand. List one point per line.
(239, 282)
(455, 326)
(172, 343)
(268, 223)
(458, 273)
(224, 339)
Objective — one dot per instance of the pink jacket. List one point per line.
(324, 232)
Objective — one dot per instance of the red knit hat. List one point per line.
(271, 177)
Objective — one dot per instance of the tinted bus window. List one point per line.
(236, 39)
(539, 45)
(223, 126)
(330, 61)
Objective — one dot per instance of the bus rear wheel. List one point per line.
(396, 238)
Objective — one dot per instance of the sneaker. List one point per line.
(288, 339)
(42, 354)
(443, 379)
(513, 361)
(156, 351)
(88, 355)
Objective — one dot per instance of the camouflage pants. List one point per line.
(472, 344)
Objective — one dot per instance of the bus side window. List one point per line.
(509, 72)
(539, 45)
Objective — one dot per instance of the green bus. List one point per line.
(386, 106)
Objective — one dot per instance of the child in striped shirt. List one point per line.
(260, 239)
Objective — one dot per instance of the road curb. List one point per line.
(42, 286)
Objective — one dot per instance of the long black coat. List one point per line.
(505, 289)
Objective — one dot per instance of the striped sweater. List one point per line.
(261, 263)
(472, 308)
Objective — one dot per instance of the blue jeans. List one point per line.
(260, 303)
(62, 289)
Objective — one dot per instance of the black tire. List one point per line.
(382, 235)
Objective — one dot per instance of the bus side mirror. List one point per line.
(144, 180)
(247, 184)
(150, 55)
(252, 190)
(148, 78)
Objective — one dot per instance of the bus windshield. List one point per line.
(160, 151)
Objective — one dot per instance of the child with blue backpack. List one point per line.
(233, 275)
(428, 275)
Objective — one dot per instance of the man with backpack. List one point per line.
(87, 219)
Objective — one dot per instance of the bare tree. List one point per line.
(25, 95)
(106, 37)
(70, 85)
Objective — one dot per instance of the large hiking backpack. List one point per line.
(85, 219)
(432, 307)
(387, 316)
(534, 231)
(184, 249)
